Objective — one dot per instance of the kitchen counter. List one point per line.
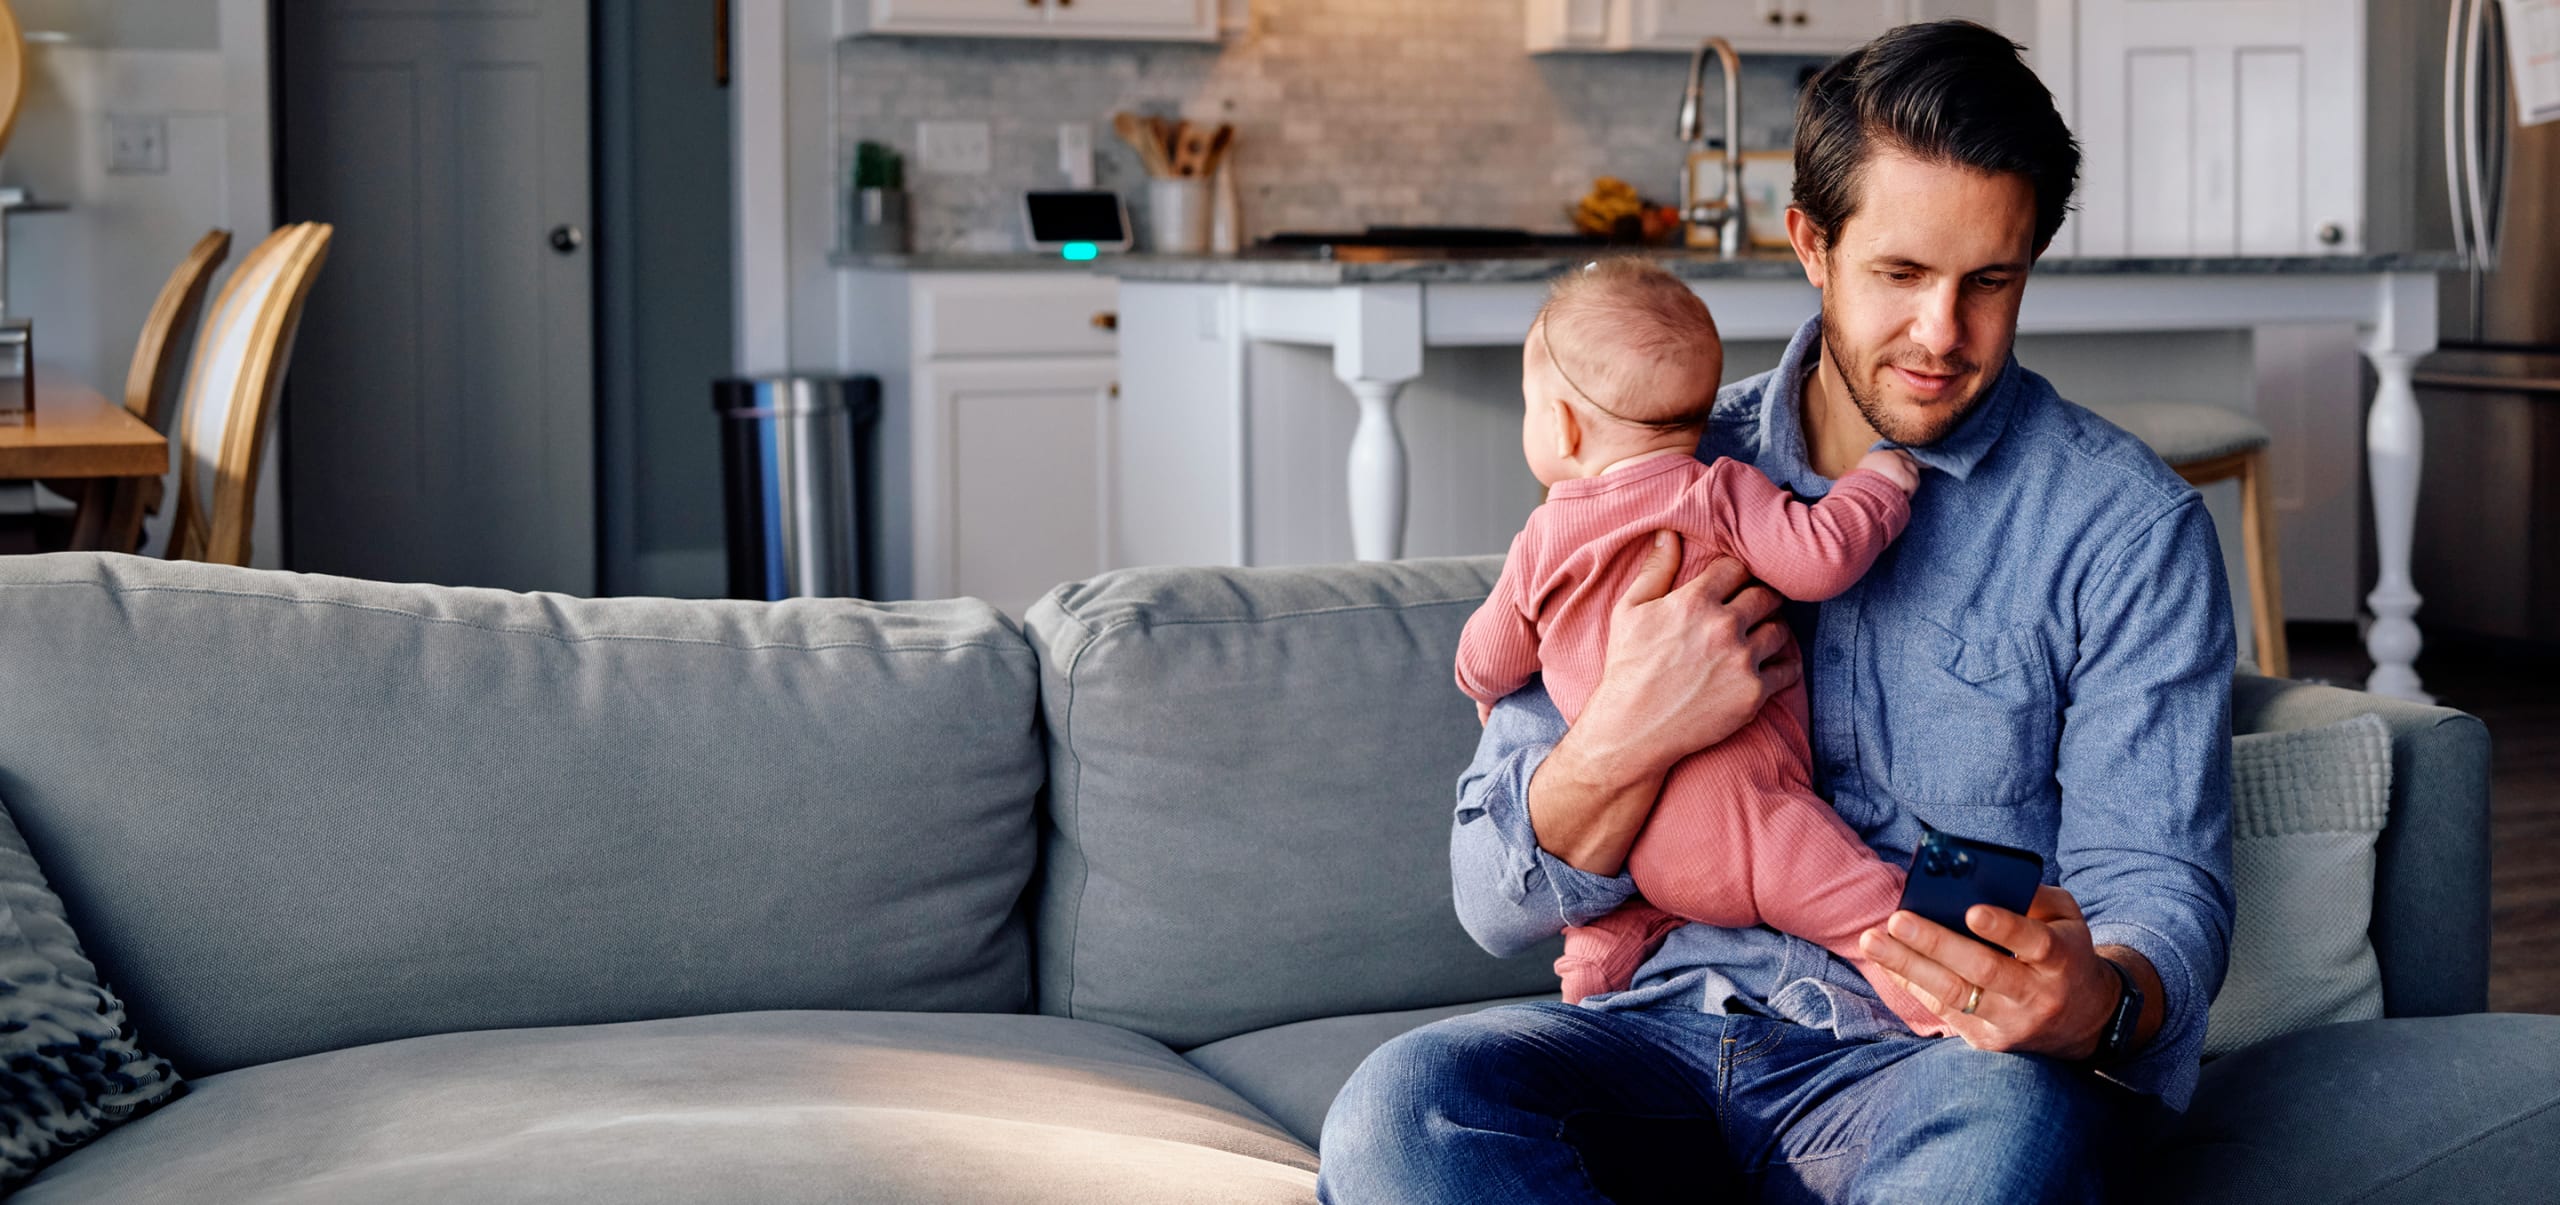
(1187, 326)
(958, 261)
(1302, 269)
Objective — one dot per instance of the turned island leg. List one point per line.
(1377, 349)
(2393, 443)
(1377, 474)
(2404, 329)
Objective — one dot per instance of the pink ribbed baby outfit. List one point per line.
(1738, 838)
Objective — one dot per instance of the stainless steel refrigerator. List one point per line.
(2488, 550)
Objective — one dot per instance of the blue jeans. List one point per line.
(1549, 1102)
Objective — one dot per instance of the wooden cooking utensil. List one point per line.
(1195, 151)
(1219, 142)
(1140, 133)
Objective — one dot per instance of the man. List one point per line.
(2043, 660)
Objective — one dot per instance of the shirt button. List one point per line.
(1836, 655)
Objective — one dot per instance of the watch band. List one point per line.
(2116, 1042)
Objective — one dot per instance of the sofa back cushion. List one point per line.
(1251, 779)
(290, 814)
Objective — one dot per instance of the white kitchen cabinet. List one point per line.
(1013, 477)
(1128, 20)
(997, 440)
(2215, 127)
(1758, 26)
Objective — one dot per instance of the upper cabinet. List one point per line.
(1125, 20)
(2216, 127)
(1763, 26)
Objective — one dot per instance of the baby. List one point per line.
(1619, 372)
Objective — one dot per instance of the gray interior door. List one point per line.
(441, 421)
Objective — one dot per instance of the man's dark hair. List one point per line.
(1942, 92)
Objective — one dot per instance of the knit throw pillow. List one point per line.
(69, 1064)
(2306, 808)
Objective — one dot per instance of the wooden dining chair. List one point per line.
(239, 369)
(111, 510)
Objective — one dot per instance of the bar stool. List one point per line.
(2206, 444)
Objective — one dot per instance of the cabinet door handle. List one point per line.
(1107, 320)
(2331, 233)
(1776, 17)
(1800, 18)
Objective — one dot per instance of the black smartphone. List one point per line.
(1950, 874)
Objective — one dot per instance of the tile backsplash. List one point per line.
(1348, 113)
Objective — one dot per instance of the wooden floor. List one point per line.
(2517, 694)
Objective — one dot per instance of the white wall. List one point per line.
(87, 276)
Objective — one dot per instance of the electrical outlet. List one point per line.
(137, 144)
(953, 148)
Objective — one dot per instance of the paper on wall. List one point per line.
(2533, 58)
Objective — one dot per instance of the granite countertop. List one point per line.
(1269, 269)
(1294, 268)
(961, 261)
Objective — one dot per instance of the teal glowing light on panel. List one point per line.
(1079, 252)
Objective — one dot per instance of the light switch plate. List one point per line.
(137, 144)
(1075, 153)
(953, 148)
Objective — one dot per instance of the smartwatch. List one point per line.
(2116, 1042)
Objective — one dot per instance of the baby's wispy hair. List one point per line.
(1634, 342)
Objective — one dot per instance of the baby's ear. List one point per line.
(1568, 428)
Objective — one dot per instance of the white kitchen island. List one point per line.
(1187, 423)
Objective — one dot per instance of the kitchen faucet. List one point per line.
(1724, 213)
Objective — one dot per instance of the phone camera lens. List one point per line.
(1963, 864)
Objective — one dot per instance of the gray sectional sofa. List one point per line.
(442, 894)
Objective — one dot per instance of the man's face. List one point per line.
(1920, 289)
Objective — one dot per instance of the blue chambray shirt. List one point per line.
(2042, 660)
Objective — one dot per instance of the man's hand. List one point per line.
(2053, 998)
(1684, 668)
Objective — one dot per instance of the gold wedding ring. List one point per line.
(1973, 1001)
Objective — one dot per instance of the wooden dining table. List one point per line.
(104, 452)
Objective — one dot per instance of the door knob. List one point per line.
(2331, 234)
(566, 237)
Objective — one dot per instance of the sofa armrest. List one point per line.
(2431, 888)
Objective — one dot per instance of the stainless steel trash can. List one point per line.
(795, 453)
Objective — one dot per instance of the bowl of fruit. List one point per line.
(1615, 211)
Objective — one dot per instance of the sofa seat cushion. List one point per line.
(2412, 1109)
(1293, 1072)
(764, 1107)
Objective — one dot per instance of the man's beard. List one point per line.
(1872, 408)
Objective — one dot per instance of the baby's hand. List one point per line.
(1484, 711)
(1898, 467)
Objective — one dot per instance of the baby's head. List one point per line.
(1623, 360)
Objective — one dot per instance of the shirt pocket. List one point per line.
(1969, 720)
